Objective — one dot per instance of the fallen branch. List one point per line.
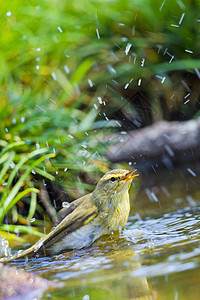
(163, 143)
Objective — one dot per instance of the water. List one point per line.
(157, 256)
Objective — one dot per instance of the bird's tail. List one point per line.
(30, 252)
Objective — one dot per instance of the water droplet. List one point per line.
(181, 19)
(90, 83)
(98, 35)
(111, 69)
(65, 204)
(128, 47)
(118, 123)
(169, 150)
(53, 74)
(174, 25)
(70, 136)
(67, 71)
(12, 165)
(197, 72)
(37, 146)
(105, 116)
(188, 51)
(186, 101)
(192, 172)
(142, 62)
(100, 100)
(60, 29)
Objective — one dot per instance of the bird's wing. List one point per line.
(77, 218)
(74, 218)
(73, 205)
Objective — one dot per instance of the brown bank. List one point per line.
(16, 284)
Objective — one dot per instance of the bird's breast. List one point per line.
(120, 213)
(120, 218)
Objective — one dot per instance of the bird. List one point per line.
(101, 212)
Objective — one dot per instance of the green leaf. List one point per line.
(9, 204)
(10, 200)
(176, 65)
(10, 146)
(88, 121)
(21, 228)
(82, 70)
(21, 163)
(33, 205)
(8, 158)
(44, 173)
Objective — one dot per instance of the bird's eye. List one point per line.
(112, 178)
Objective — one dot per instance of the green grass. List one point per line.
(57, 58)
(32, 33)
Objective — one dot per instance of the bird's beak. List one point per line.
(130, 175)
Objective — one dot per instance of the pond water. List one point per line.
(156, 257)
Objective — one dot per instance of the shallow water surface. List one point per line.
(157, 256)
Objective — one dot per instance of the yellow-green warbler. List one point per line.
(89, 217)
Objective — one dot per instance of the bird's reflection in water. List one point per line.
(103, 271)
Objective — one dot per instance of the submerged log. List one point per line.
(161, 144)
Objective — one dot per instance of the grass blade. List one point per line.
(21, 163)
(21, 228)
(13, 201)
(33, 204)
(10, 146)
(6, 166)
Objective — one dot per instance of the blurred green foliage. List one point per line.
(65, 63)
(42, 41)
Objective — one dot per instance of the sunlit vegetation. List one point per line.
(71, 72)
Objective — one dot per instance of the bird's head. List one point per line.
(114, 182)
